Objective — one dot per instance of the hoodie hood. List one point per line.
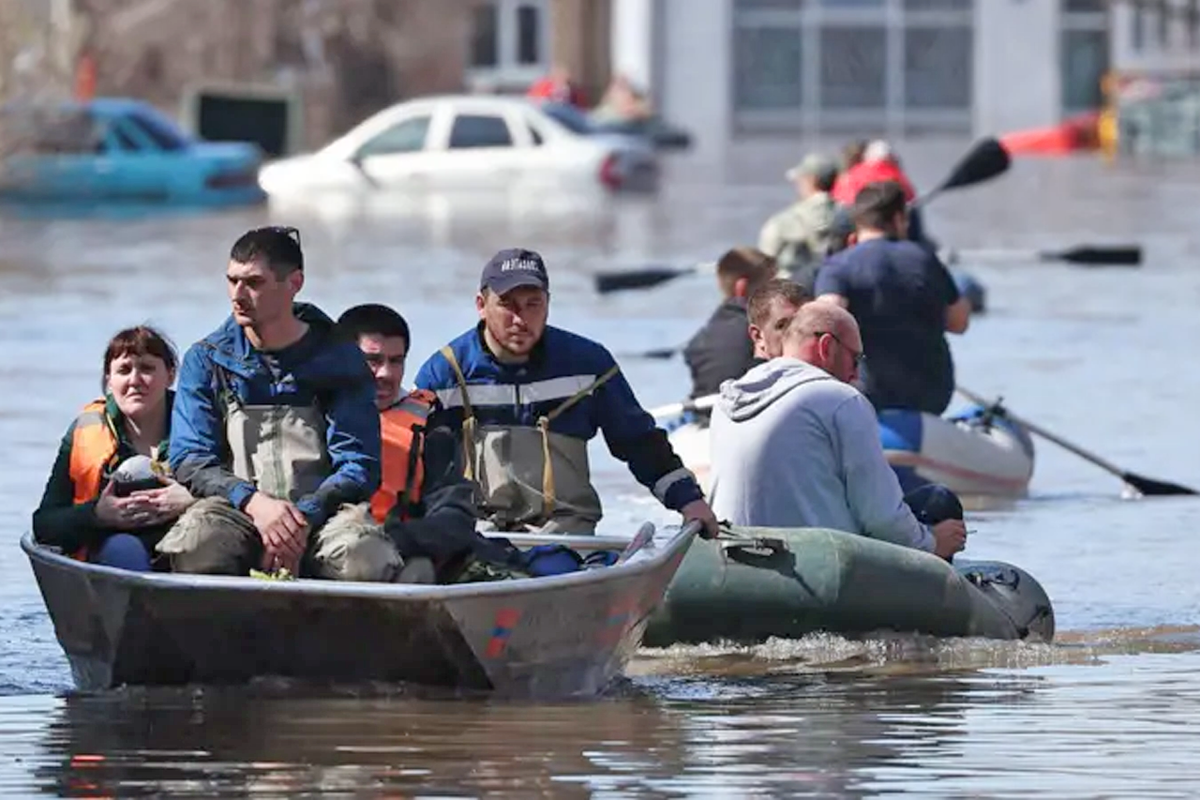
(751, 394)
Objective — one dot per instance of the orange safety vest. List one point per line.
(93, 450)
(402, 427)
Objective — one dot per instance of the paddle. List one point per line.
(675, 409)
(1089, 255)
(1146, 486)
(985, 160)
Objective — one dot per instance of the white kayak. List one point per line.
(979, 457)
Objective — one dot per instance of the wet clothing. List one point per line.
(525, 429)
(94, 445)
(298, 424)
(794, 447)
(898, 292)
(721, 350)
(800, 236)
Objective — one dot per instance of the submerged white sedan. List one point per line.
(466, 144)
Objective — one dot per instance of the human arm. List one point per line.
(436, 376)
(352, 441)
(197, 458)
(59, 521)
(633, 438)
(873, 492)
(958, 306)
(770, 239)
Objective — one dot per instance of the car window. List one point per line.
(124, 139)
(404, 137)
(479, 130)
(166, 137)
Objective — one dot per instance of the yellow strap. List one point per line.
(543, 423)
(468, 423)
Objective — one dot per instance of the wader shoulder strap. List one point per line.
(468, 423)
(543, 424)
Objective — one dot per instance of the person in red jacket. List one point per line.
(879, 164)
(557, 87)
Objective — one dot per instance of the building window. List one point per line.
(853, 67)
(529, 35)
(1164, 25)
(938, 68)
(1137, 26)
(767, 68)
(832, 66)
(509, 43)
(1084, 60)
(485, 37)
(1193, 23)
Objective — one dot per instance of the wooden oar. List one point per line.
(985, 160)
(1146, 486)
(1088, 255)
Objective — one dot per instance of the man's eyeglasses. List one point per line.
(859, 357)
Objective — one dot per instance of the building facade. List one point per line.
(726, 69)
(1160, 37)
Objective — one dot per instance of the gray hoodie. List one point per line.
(792, 446)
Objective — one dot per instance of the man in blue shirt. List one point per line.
(904, 300)
(528, 397)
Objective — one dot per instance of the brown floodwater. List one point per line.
(1106, 358)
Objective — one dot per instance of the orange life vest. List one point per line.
(93, 450)
(402, 427)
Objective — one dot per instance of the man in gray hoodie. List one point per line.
(794, 444)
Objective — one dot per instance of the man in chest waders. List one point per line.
(528, 397)
(275, 429)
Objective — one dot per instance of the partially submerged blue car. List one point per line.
(118, 151)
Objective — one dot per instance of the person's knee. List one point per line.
(211, 538)
(353, 548)
(124, 551)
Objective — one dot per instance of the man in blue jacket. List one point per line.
(528, 397)
(274, 427)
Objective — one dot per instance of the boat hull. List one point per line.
(773, 582)
(560, 636)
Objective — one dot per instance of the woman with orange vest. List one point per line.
(88, 511)
(425, 504)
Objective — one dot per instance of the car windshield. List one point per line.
(162, 133)
(569, 117)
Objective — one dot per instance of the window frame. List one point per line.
(508, 70)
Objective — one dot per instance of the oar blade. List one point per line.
(986, 159)
(1101, 256)
(635, 279)
(1154, 488)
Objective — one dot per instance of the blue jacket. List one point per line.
(560, 365)
(317, 367)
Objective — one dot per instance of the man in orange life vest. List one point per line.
(425, 504)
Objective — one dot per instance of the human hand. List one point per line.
(698, 510)
(949, 537)
(283, 528)
(122, 513)
(167, 503)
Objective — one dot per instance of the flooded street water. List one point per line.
(1106, 358)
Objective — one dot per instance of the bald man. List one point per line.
(794, 444)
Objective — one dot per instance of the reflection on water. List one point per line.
(996, 732)
(1099, 356)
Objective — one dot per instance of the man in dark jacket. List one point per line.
(722, 349)
(275, 431)
(528, 397)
